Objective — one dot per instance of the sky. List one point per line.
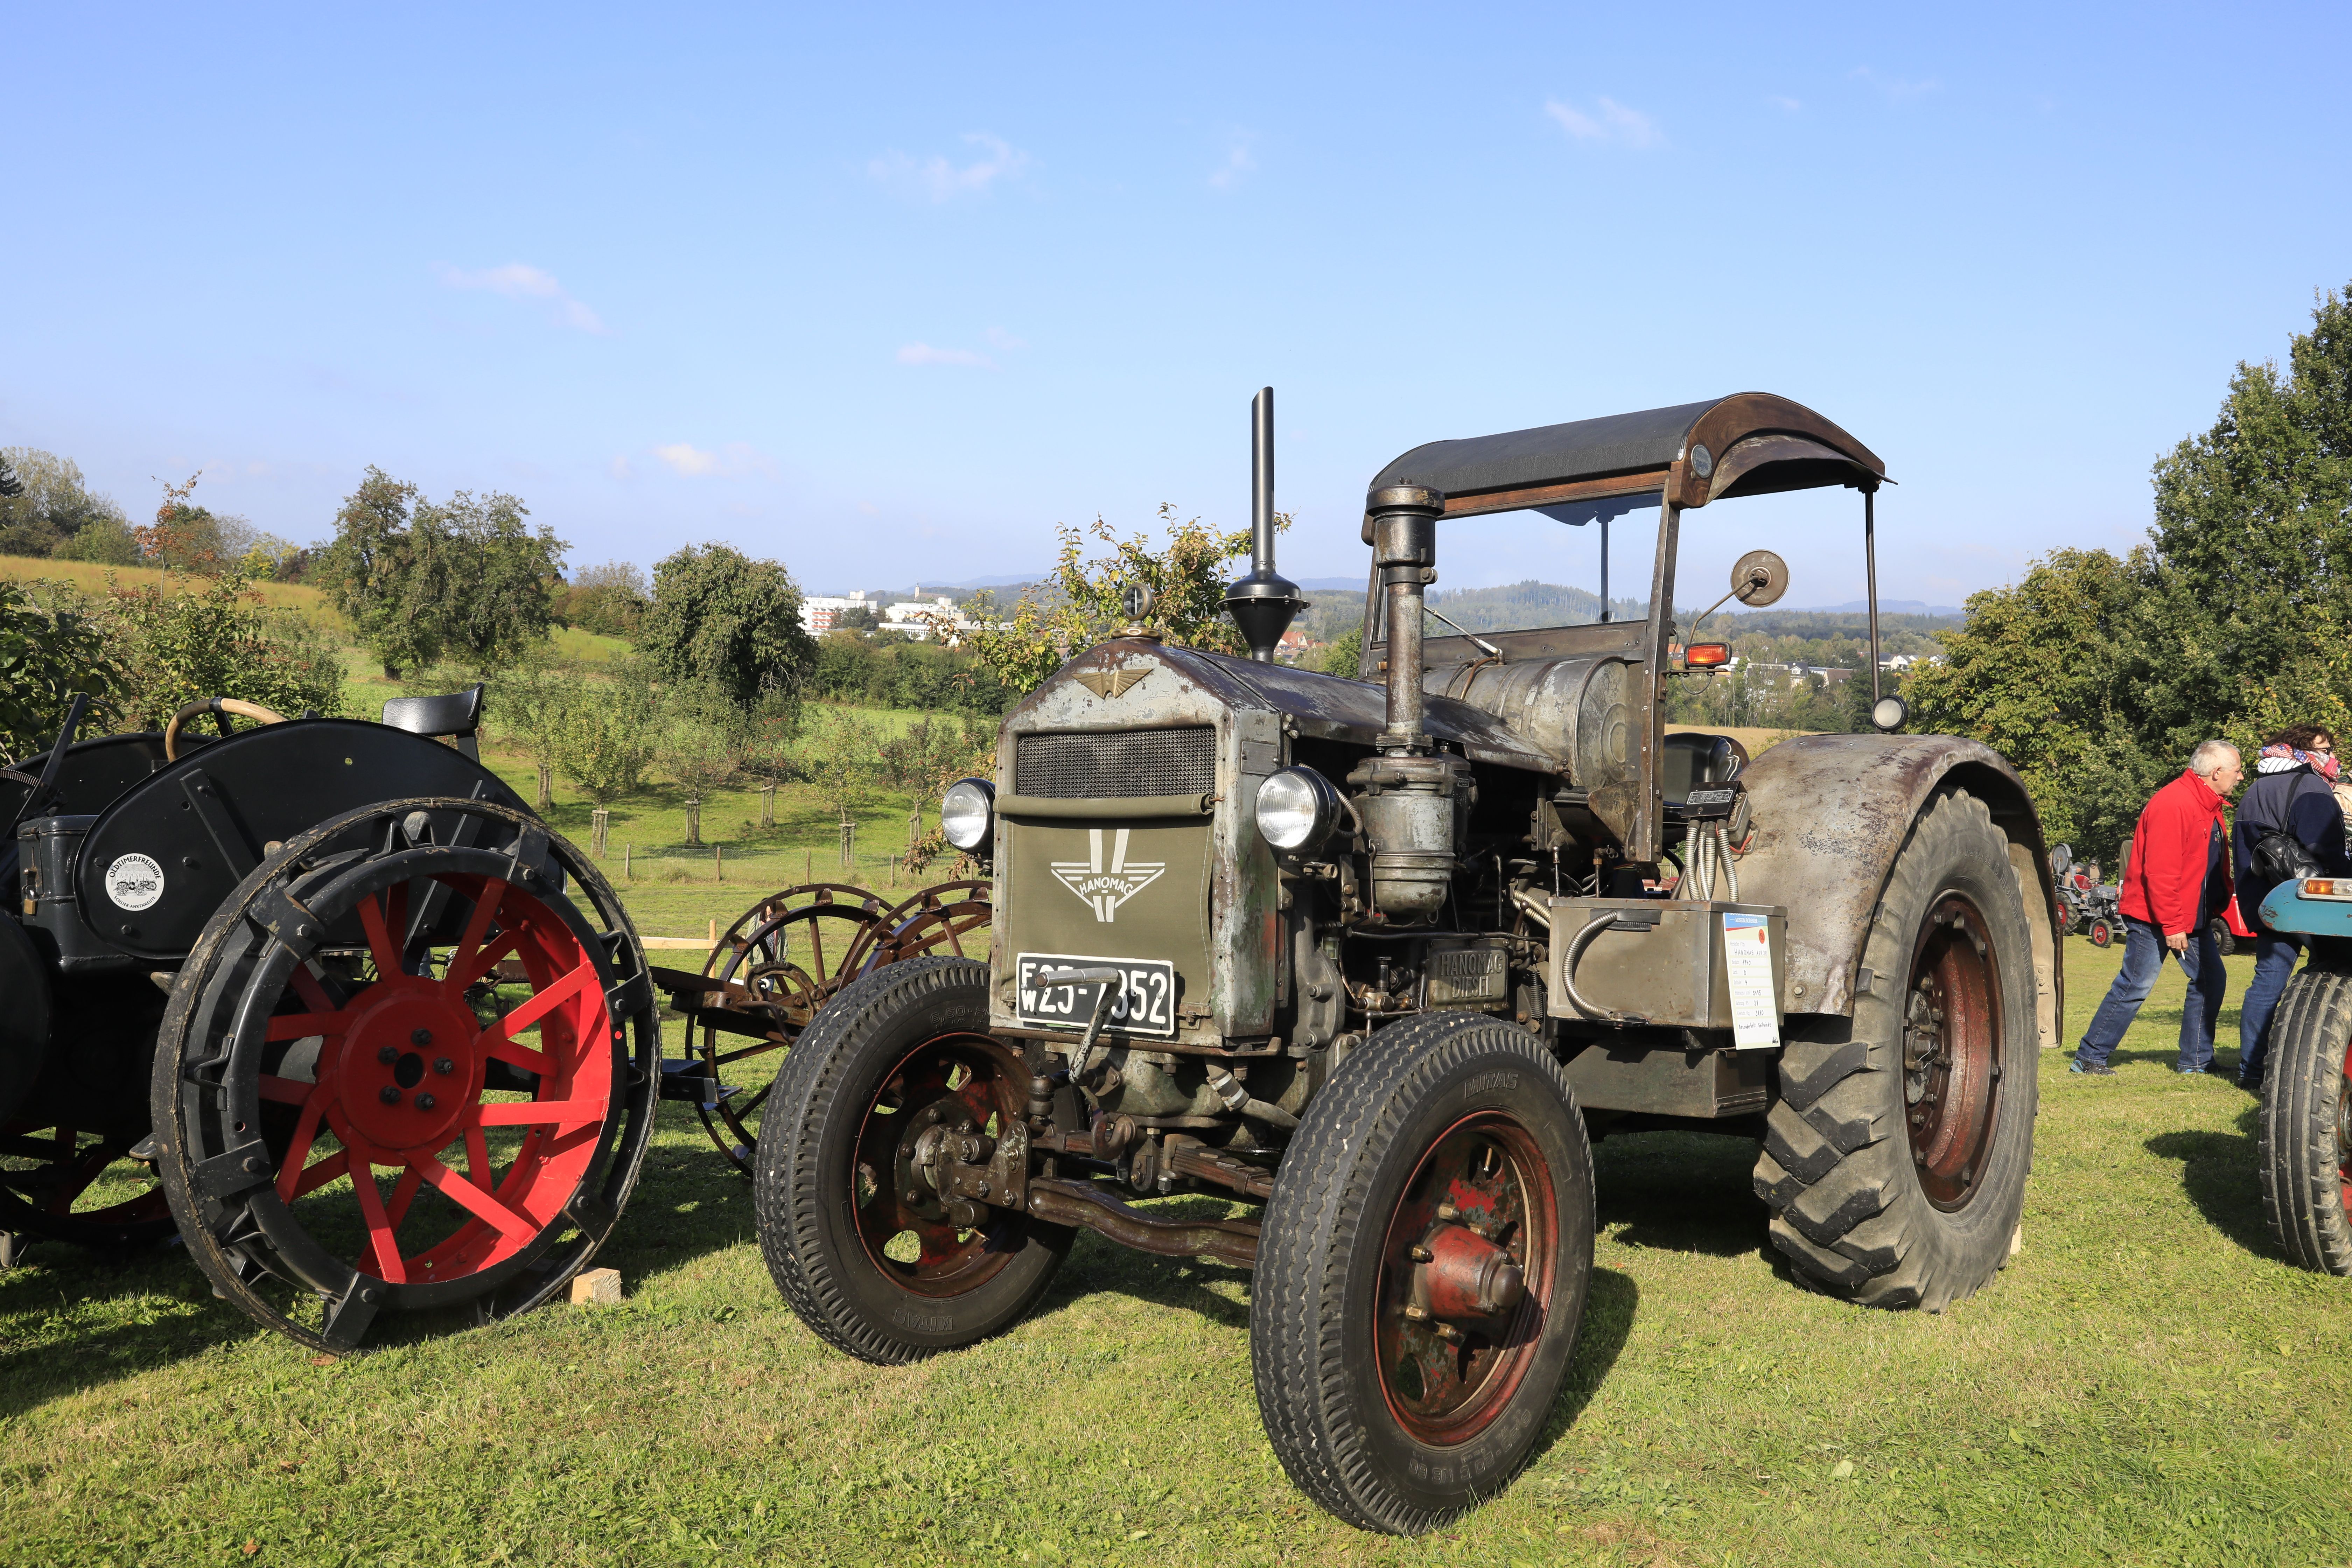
(887, 295)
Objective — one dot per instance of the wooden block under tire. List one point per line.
(597, 1288)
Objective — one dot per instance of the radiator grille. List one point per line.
(1120, 761)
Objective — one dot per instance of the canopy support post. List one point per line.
(1870, 572)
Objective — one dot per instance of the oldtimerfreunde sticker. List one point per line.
(134, 882)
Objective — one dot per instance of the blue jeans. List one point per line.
(2273, 962)
(2144, 952)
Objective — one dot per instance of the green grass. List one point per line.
(2146, 1384)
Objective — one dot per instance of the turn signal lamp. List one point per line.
(2323, 888)
(1708, 655)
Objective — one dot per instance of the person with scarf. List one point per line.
(2292, 794)
(2176, 879)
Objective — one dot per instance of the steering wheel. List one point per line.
(236, 705)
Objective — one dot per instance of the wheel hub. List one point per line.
(407, 1069)
(1464, 1277)
(1951, 1045)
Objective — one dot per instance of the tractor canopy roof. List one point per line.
(1750, 443)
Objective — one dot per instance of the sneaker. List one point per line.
(2208, 1069)
(2252, 1084)
(2097, 1069)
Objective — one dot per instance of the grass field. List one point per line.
(2146, 1384)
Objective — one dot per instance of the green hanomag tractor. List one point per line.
(1382, 955)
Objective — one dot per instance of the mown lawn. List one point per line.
(2146, 1384)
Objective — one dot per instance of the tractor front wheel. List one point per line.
(2305, 1143)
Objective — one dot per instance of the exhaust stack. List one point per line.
(1263, 603)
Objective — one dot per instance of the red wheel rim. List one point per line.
(967, 1084)
(1951, 1051)
(2344, 1135)
(1446, 1375)
(400, 1082)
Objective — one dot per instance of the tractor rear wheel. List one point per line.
(869, 1255)
(2304, 1141)
(1423, 1271)
(1895, 1158)
(402, 1070)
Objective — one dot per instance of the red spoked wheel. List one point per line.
(790, 963)
(1469, 1257)
(66, 1183)
(402, 1075)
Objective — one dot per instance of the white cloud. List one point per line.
(691, 461)
(1789, 104)
(923, 353)
(942, 180)
(1611, 122)
(733, 460)
(999, 339)
(1894, 89)
(1238, 163)
(517, 280)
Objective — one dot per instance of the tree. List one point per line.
(608, 737)
(194, 636)
(464, 579)
(46, 655)
(702, 743)
(1345, 650)
(841, 755)
(1082, 602)
(608, 600)
(50, 506)
(719, 617)
(529, 707)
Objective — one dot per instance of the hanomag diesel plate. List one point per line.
(1146, 1004)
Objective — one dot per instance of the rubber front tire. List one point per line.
(1323, 1308)
(1892, 1180)
(2305, 1138)
(816, 1180)
(2102, 934)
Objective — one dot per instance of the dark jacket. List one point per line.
(2297, 801)
(2177, 874)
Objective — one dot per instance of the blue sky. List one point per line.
(888, 294)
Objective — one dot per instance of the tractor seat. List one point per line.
(1693, 761)
(458, 716)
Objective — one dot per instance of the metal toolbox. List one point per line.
(1658, 962)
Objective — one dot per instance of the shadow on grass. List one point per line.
(72, 1319)
(1096, 1264)
(1609, 1308)
(2217, 1172)
(1680, 1192)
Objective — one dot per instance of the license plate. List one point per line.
(1146, 1003)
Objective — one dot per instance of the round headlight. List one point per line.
(967, 812)
(1297, 809)
(1889, 712)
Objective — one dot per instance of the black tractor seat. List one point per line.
(1694, 760)
(457, 716)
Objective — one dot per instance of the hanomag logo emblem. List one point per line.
(1106, 887)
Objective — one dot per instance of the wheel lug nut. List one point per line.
(388, 1094)
(388, 1055)
(424, 1102)
(421, 1037)
(444, 1065)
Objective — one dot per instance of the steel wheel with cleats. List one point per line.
(950, 921)
(65, 1183)
(357, 1112)
(789, 963)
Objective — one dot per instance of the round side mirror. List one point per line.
(1758, 578)
(1889, 712)
(2062, 860)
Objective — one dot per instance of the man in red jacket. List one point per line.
(2176, 881)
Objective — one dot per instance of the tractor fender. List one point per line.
(1831, 812)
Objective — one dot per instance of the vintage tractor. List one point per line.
(327, 995)
(1378, 958)
(2304, 1126)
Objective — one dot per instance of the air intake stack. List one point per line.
(1263, 603)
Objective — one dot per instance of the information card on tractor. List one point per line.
(1747, 965)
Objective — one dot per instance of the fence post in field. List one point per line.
(719, 859)
(546, 786)
(601, 820)
(808, 867)
(848, 840)
(768, 804)
(693, 821)
(626, 851)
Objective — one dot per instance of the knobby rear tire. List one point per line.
(1849, 1209)
(2301, 1128)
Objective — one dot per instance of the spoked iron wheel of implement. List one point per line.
(792, 961)
(358, 1112)
(68, 1185)
(950, 921)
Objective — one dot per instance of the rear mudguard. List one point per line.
(1833, 810)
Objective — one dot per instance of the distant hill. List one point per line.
(1887, 607)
